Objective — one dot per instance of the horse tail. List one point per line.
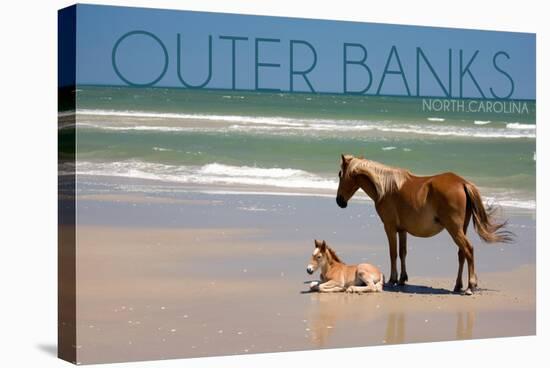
(485, 225)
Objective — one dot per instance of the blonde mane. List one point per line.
(386, 179)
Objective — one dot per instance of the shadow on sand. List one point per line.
(413, 289)
(408, 289)
(417, 289)
(428, 290)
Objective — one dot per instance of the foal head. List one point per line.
(347, 185)
(322, 257)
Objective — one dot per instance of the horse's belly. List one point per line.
(422, 225)
(427, 231)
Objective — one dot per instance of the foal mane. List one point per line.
(333, 255)
(386, 179)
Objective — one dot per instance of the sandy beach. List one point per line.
(202, 274)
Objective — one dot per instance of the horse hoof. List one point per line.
(468, 291)
(457, 289)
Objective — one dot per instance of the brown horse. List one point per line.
(422, 206)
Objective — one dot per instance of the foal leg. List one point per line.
(370, 287)
(363, 284)
(392, 242)
(402, 255)
(330, 286)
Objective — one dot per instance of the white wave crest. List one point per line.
(521, 126)
(161, 149)
(265, 120)
(283, 125)
(213, 173)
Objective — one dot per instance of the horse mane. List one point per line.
(333, 255)
(386, 179)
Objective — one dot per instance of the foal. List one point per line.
(338, 276)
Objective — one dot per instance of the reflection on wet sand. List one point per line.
(395, 328)
(464, 328)
(324, 316)
(329, 309)
(379, 323)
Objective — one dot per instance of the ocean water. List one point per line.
(291, 143)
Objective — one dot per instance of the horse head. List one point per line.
(347, 185)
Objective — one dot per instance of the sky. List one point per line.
(140, 57)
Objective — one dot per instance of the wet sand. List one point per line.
(204, 275)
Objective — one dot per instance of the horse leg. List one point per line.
(466, 247)
(458, 284)
(472, 277)
(402, 256)
(461, 254)
(392, 242)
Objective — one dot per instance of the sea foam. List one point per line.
(521, 126)
(138, 121)
(213, 173)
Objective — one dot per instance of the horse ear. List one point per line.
(323, 246)
(346, 159)
(318, 243)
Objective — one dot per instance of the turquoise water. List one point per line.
(293, 141)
